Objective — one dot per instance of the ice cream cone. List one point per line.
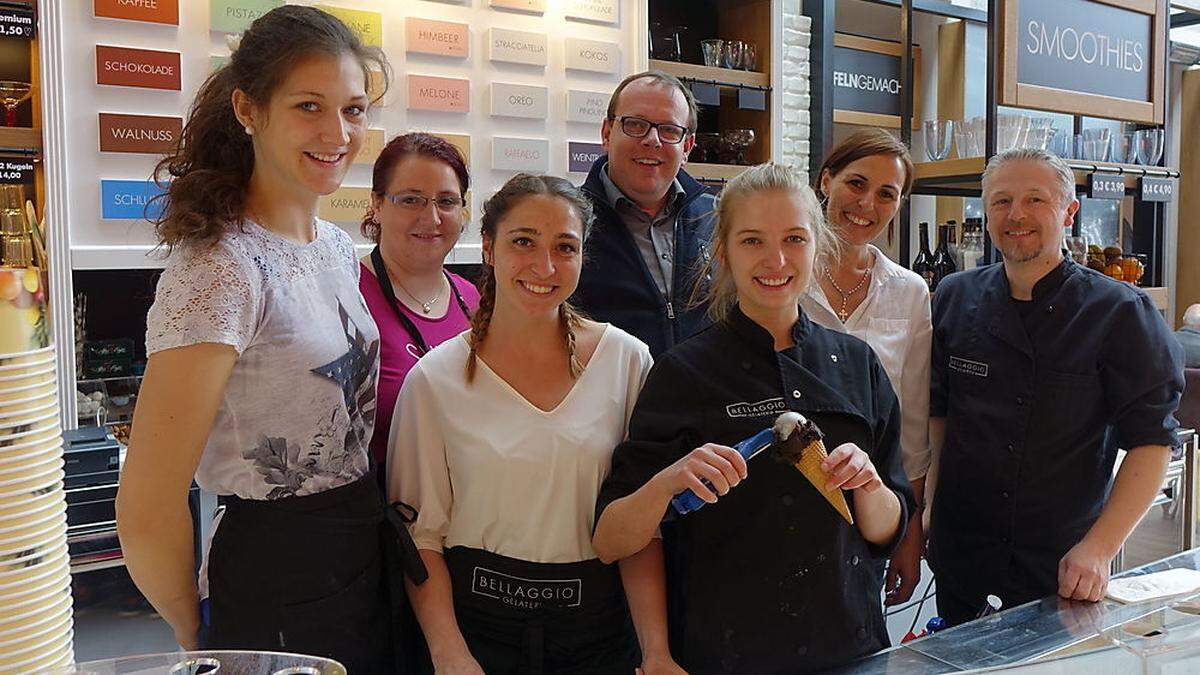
(798, 441)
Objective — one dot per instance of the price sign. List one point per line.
(16, 22)
(16, 171)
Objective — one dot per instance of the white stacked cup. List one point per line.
(35, 579)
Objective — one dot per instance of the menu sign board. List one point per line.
(1088, 57)
(137, 68)
(154, 11)
(130, 200)
(587, 106)
(1106, 186)
(149, 134)
(580, 156)
(442, 38)
(367, 25)
(16, 22)
(604, 11)
(867, 81)
(521, 154)
(16, 170)
(591, 55)
(1157, 189)
(444, 94)
(235, 16)
(345, 205)
(519, 100)
(515, 46)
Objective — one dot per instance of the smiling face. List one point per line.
(864, 197)
(419, 237)
(1026, 213)
(643, 168)
(536, 254)
(769, 252)
(308, 134)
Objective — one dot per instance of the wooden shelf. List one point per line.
(21, 137)
(701, 171)
(969, 171)
(725, 76)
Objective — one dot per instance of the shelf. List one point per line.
(967, 172)
(722, 76)
(714, 172)
(23, 138)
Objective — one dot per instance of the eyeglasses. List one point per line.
(414, 202)
(636, 127)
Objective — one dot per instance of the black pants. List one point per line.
(524, 618)
(303, 575)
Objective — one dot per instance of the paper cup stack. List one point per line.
(35, 578)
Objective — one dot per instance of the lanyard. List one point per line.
(385, 284)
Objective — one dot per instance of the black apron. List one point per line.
(306, 575)
(525, 618)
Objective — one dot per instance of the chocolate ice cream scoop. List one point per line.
(800, 443)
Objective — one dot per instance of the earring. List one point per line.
(249, 130)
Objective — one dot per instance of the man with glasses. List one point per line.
(653, 220)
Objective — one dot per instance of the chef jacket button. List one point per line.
(745, 365)
(861, 632)
(854, 560)
(1004, 494)
(834, 357)
(801, 650)
(1020, 400)
(1050, 309)
(1011, 448)
(795, 393)
(1004, 540)
(787, 500)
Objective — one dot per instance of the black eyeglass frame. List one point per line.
(684, 131)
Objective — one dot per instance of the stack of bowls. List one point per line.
(35, 579)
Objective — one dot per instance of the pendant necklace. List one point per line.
(842, 313)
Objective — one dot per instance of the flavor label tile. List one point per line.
(521, 154)
(443, 38)
(519, 100)
(129, 200)
(371, 147)
(444, 94)
(139, 133)
(538, 6)
(154, 11)
(591, 55)
(587, 106)
(460, 141)
(127, 67)
(346, 205)
(235, 16)
(374, 87)
(580, 156)
(515, 46)
(366, 24)
(604, 11)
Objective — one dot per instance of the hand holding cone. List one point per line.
(799, 442)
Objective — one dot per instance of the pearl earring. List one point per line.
(249, 131)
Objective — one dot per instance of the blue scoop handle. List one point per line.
(688, 501)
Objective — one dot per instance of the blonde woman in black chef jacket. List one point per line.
(768, 578)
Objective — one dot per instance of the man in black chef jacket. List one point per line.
(1042, 369)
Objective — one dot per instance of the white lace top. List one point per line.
(298, 411)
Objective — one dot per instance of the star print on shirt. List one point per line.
(352, 371)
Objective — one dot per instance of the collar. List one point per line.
(1049, 283)
(760, 337)
(1189, 329)
(616, 197)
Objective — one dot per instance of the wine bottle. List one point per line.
(923, 264)
(943, 260)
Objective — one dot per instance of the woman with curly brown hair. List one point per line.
(505, 492)
(263, 359)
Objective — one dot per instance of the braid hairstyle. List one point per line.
(494, 210)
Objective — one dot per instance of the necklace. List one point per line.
(426, 307)
(842, 313)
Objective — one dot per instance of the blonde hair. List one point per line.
(719, 292)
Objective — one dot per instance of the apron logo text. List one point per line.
(526, 593)
(770, 406)
(969, 367)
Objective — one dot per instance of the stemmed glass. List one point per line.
(1150, 145)
(12, 94)
(938, 135)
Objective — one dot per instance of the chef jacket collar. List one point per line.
(760, 337)
(1006, 323)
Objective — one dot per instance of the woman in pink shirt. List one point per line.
(418, 210)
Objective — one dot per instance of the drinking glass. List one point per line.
(13, 94)
(938, 136)
(734, 53)
(1150, 146)
(739, 141)
(1062, 144)
(1010, 131)
(712, 51)
(1096, 144)
(749, 57)
(1125, 148)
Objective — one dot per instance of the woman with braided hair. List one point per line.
(504, 494)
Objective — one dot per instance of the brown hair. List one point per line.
(424, 145)
(494, 210)
(662, 79)
(719, 293)
(206, 176)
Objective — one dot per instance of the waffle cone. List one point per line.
(809, 464)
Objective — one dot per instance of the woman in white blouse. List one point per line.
(503, 436)
(863, 182)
